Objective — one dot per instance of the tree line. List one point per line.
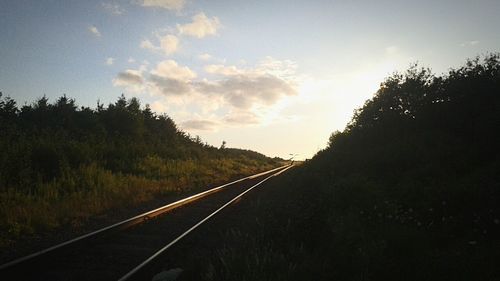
(42, 141)
(414, 180)
(62, 164)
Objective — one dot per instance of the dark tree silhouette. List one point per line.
(408, 191)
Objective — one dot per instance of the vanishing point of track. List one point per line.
(124, 250)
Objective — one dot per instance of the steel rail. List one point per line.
(131, 221)
(138, 268)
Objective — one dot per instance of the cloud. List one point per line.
(113, 8)
(169, 44)
(170, 87)
(265, 84)
(205, 57)
(200, 125)
(245, 91)
(200, 27)
(130, 79)
(469, 43)
(146, 44)
(165, 4)
(131, 60)
(223, 70)
(158, 106)
(208, 57)
(242, 118)
(168, 78)
(110, 61)
(94, 31)
(170, 69)
(282, 68)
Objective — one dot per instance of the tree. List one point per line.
(8, 107)
(223, 145)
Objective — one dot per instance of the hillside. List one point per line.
(408, 191)
(62, 164)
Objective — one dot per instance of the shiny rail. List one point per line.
(141, 266)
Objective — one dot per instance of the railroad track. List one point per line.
(124, 250)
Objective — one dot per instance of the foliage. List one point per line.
(61, 164)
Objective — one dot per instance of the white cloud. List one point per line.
(199, 125)
(131, 60)
(245, 88)
(223, 70)
(169, 44)
(251, 93)
(170, 69)
(94, 31)
(247, 91)
(113, 8)
(205, 57)
(158, 106)
(241, 118)
(209, 58)
(110, 61)
(168, 78)
(469, 43)
(146, 44)
(200, 27)
(285, 69)
(166, 4)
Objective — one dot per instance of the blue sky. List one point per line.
(273, 76)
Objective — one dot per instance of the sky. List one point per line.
(277, 77)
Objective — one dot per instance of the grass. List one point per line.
(75, 197)
(320, 232)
